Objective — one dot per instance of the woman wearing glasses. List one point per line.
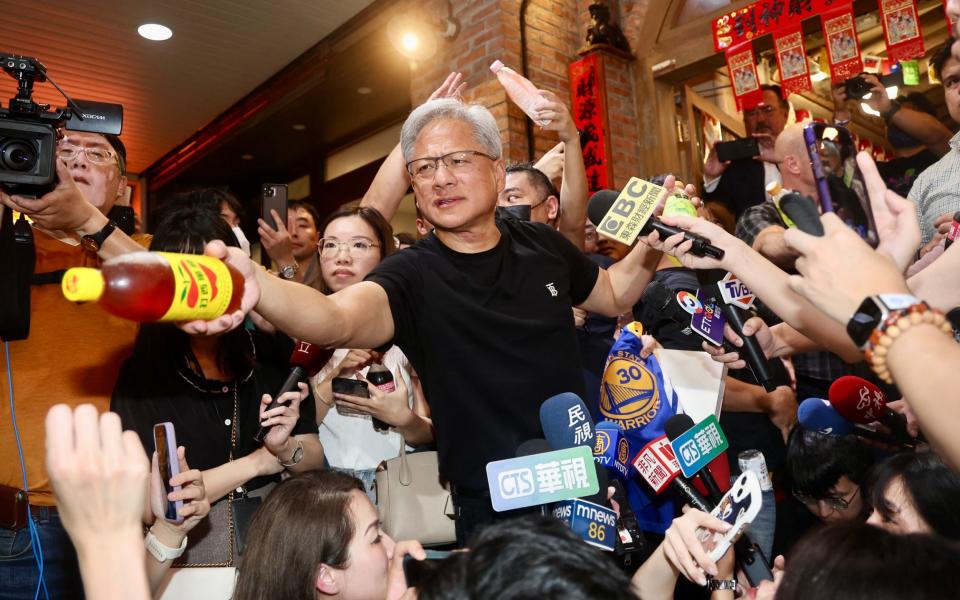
(353, 242)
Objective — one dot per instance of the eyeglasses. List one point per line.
(356, 248)
(97, 156)
(766, 109)
(424, 169)
(834, 503)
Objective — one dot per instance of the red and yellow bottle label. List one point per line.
(202, 287)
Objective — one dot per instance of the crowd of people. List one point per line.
(487, 313)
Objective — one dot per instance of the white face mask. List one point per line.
(244, 242)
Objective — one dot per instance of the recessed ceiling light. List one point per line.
(155, 32)
(298, 127)
(246, 156)
(363, 91)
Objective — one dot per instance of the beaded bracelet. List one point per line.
(898, 321)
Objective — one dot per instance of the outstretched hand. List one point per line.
(236, 258)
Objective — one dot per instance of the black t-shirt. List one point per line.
(491, 336)
(900, 173)
(201, 410)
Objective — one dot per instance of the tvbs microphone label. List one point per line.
(735, 292)
(631, 211)
(657, 464)
(699, 445)
(594, 524)
(542, 478)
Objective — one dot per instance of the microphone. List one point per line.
(612, 449)
(711, 282)
(802, 210)
(860, 401)
(306, 361)
(676, 426)
(658, 466)
(954, 231)
(664, 301)
(817, 414)
(566, 422)
(602, 201)
(531, 447)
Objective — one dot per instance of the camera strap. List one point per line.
(17, 255)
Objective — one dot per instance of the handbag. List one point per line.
(413, 504)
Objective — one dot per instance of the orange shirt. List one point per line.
(72, 356)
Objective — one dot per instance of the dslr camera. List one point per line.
(29, 131)
(857, 87)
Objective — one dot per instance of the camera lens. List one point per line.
(17, 155)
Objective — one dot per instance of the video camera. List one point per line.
(29, 131)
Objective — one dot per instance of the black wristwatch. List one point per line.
(94, 241)
(894, 107)
(873, 311)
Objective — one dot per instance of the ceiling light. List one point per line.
(246, 156)
(155, 32)
(298, 127)
(364, 90)
(409, 41)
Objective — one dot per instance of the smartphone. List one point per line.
(165, 443)
(747, 147)
(417, 571)
(739, 507)
(351, 387)
(840, 184)
(273, 196)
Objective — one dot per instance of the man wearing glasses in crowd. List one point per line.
(481, 306)
(71, 354)
(741, 184)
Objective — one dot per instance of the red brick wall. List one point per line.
(490, 30)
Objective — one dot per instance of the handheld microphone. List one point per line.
(954, 231)
(802, 210)
(860, 401)
(676, 426)
(566, 422)
(664, 301)
(657, 465)
(602, 201)
(612, 449)
(712, 280)
(531, 447)
(306, 361)
(817, 414)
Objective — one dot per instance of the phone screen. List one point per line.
(840, 184)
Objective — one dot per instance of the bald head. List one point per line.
(795, 168)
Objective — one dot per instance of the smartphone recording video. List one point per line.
(840, 183)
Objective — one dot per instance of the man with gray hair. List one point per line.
(481, 306)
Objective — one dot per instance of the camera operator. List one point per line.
(71, 355)
(917, 137)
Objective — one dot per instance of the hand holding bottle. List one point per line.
(556, 116)
(236, 258)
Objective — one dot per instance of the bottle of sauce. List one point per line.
(158, 286)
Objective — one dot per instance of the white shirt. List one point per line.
(770, 174)
(350, 441)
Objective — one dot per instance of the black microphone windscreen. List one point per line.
(677, 425)
(802, 210)
(534, 446)
(600, 202)
(657, 295)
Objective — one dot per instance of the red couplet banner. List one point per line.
(589, 109)
(743, 75)
(763, 17)
(901, 29)
(792, 60)
(843, 48)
